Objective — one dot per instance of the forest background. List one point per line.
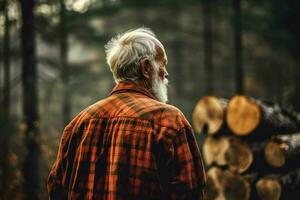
(52, 65)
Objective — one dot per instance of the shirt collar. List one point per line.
(129, 86)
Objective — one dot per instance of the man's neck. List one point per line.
(145, 84)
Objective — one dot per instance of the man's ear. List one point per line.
(146, 68)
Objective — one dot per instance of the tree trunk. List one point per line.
(258, 120)
(6, 62)
(178, 57)
(4, 161)
(238, 47)
(279, 83)
(296, 95)
(31, 171)
(179, 75)
(66, 106)
(1, 62)
(5, 136)
(208, 46)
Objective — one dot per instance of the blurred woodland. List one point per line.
(52, 65)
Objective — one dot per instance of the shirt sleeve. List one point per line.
(60, 173)
(181, 167)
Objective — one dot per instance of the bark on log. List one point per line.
(283, 151)
(252, 179)
(226, 185)
(273, 187)
(208, 115)
(259, 165)
(258, 120)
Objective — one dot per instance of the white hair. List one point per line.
(124, 52)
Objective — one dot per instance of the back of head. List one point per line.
(124, 52)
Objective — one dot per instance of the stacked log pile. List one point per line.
(251, 149)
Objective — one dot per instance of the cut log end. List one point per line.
(208, 113)
(226, 185)
(236, 187)
(214, 150)
(238, 156)
(243, 115)
(275, 154)
(268, 189)
(214, 188)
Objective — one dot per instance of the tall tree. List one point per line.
(178, 57)
(5, 137)
(1, 56)
(31, 173)
(66, 107)
(208, 46)
(238, 46)
(6, 61)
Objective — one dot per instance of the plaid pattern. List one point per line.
(128, 146)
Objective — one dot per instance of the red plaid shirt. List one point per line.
(128, 146)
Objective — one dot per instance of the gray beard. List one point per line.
(159, 88)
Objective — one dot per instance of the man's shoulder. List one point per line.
(170, 116)
(161, 114)
(169, 109)
(96, 110)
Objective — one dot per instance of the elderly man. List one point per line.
(131, 145)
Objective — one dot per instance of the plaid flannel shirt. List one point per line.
(128, 146)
